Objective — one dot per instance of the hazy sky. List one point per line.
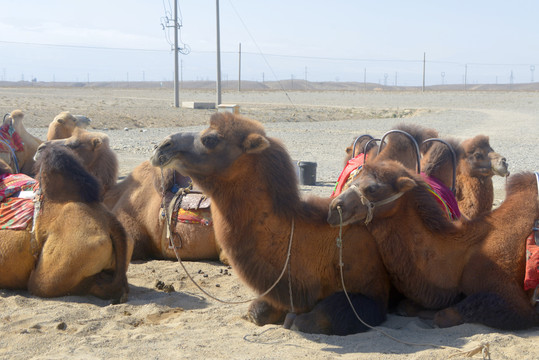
(317, 40)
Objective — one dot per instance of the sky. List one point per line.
(380, 41)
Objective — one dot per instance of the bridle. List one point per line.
(371, 205)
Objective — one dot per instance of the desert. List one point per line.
(315, 126)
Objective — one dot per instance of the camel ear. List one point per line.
(255, 143)
(96, 142)
(405, 184)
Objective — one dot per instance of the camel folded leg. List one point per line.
(70, 267)
(490, 309)
(262, 313)
(334, 315)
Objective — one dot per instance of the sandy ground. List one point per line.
(315, 126)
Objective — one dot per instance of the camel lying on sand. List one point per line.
(93, 149)
(78, 246)
(63, 124)
(435, 261)
(137, 203)
(25, 158)
(258, 214)
(476, 164)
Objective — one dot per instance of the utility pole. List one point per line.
(176, 82)
(239, 69)
(423, 88)
(218, 82)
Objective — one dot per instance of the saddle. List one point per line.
(184, 205)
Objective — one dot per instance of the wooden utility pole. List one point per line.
(176, 81)
(239, 68)
(218, 82)
(423, 88)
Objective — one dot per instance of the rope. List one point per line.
(285, 267)
(483, 348)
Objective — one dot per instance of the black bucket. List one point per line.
(307, 172)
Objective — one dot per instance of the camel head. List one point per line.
(478, 159)
(64, 124)
(374, 192)
(215, 150)
(83, 143)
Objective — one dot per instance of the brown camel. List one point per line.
(93, 149)
(477, 163)
(78, 246)
(257, 209)
(435, 261)
(136, 201)
(63, 124)
(25, 157)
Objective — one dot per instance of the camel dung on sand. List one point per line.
(78, 247)
(258, 214)
(435, 261)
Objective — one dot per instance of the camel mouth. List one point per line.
(159, 159)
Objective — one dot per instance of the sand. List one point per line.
(185, 323)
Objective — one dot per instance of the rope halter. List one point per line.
(372, 205)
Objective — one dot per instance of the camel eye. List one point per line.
(73, 145)
(371, 189)
(478, 156)
(210, 141)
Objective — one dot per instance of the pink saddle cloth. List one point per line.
(531, 278)
(444, 196)
(16, 212)
(10, 136)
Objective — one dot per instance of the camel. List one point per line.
(93, 149)
(63, 124)
(77, 246)
(257, 212)
(476, 164)
(136, 201)
(24, 155)
(470, 271)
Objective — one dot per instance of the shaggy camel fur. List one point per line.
(257, 209)
(63, 124)
(78, 248)
(93, 149)
(434, 261)
(477, 163)
(136, 202)
(25, 158)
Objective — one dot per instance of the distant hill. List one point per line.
(299, 85)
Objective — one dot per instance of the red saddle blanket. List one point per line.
(531, 278)
(15, 212)
(10, 136)
(348, 173)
